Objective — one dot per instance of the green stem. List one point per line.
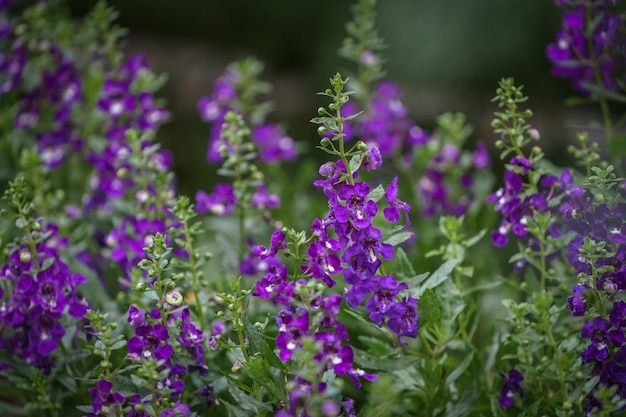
(193, 269)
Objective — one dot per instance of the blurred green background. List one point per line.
(446, 55)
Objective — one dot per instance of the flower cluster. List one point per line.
(165, 332)
(597, 251)
(344, 241)
(589, 47)
(46, 108)
(127, 102)
(446, 185)
(236, 91)
(518, 200)
(43, 293)
(384, 123)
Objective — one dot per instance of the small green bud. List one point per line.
(361, 146)
(321, 111)
(122, 173)
(174, 298)
(105, 364)
(141, 285)
(536, 150)
(325, 143)
(322, 130)
(208, 255)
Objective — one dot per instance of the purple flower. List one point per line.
(262, 200)
(332, 352)
(384, 298)
(576, 302)
(403, 317)
(104, 399)
(392, 213)
(321, 263)
(151, 342)
(277, 242)
(482, 160)
(572, 52)
(511, 387)
(274, 145)
(596, 330)
(358, 209)
(292, 328)
(220, 202)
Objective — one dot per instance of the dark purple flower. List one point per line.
(292, 328)
(511, 387)
(358, 209)
(384, 298)
(596, 331)
(321, 263)
(576, 302)
(104, 399)
(403, 317)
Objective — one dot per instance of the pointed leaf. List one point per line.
(429, 309)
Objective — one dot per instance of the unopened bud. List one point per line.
(237, 365)
(174, 298)
(25, 256)
(361, 146)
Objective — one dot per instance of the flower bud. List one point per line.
(25, 256)
(361, 146)
(174, 298)
(237, 365)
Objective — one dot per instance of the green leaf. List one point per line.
(439, 276)
(12, 410)
(268, 354)
(245, 400)
(402, 266)
(355, 163)
(85, 408)
(611, 95)
(369, 361)
(253, 335)
(377, 193)
(454, 375)
(398, 238)
(466, 404)
(68, 383)
(429, 309)
(118, 345)
(235, 411)
(617, 146)
(474, 239)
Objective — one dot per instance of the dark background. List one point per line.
(446, 55)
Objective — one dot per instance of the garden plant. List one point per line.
(367, 278)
